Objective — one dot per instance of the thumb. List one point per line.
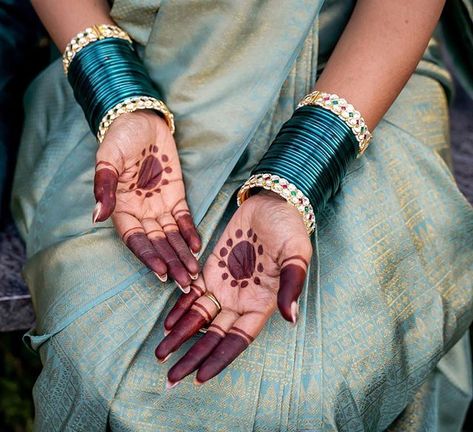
(107, 171)
(291, 282)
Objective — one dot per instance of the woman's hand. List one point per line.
(260, 262)
(138, 181)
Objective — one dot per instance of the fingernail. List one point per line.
(166, 332)
(162, 278)
(194, 277)
(96, 213)
(294, 312)
(165, 359)
(185, 290)
(170, 384)
(197, 382)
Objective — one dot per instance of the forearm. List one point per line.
(64, 19)
(377, 53)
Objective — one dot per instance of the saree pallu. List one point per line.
(389, 293)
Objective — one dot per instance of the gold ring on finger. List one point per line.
(214, 300)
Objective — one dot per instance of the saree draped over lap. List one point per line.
(389, 293)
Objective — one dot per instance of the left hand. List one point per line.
(258, 264)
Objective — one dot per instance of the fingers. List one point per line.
(105, 186)
(181, 248)
(187, 228)
(202, 348)
(291, 282)
(243, 332)
(135, 238)
(183, 304)
(202, 312)
(175, 268)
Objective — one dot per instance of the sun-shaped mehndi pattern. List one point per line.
(149, 172)
(240, 258)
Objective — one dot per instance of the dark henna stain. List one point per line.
(224, 353)
(132, 186)
(137, 164)
(176, 268)
(150, 173)
(105, 186)
(168, 169)
(187, 326)
(143, 152)
(195, 356)
(183, 304)
(158, 190)
(206, 313)
(260, 250)
(141, 246)
(188, 230)
(255, 237)
(148, 194)
(165, 182)
(243, 333)
(178, 243)
(128, 230)
(138, 193)
(155, 149)
(241, 260)
(164, 158)
(291, 282)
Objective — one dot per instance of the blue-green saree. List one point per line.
(389, 293)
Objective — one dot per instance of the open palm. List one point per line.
(139, 179)
(258, 264)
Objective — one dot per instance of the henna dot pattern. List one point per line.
(150, 172)
(240, 258)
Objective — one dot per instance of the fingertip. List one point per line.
(185, 289)
(294, 312)
(97, 211)
(170, 384)
(163, 278)
(197, 382)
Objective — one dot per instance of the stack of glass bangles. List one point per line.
(310, 155)
(108, 78)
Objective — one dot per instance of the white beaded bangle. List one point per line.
(284, 189)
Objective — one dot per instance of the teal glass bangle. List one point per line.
(105, 74)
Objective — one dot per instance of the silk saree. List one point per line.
(380, 339)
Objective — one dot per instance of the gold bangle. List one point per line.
(89, 35)
(345, 112)
(286, 190)
(133, 104)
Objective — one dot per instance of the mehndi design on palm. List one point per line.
(138, 179)
(253, 270)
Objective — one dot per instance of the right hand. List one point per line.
(138, 181)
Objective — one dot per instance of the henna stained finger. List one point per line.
(195, 356)
(105, 186)
(174, 265)
(188, 230)
(291, 282)
(182, 250)
(183, 304)
(186, 327)
(140, 245)
(224, 353)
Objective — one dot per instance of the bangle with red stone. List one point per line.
(286, 190)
